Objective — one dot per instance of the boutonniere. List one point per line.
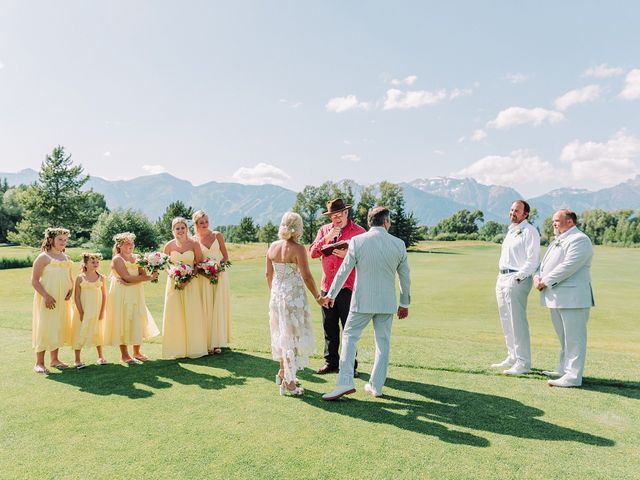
(517, 232)
(557, 243)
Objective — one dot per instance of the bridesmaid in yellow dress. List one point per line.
(183, 326)
(52, 281)
(128, 320)
(215, 298)
(90, 297)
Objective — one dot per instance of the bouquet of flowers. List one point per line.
(153, 262)
(212, 269)
(181, 273)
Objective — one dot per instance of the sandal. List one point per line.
(60, 366)
(80, 366)
(141, 357)
(296, 392)
(132, 361)
(40, 370)
(101, 361)
(217, 351)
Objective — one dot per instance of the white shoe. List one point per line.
(549, 373)
(371, 391)
(506, 363)
(563, 382)
(517, 369)
(338, 392)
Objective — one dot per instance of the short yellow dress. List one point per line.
(51, 328)
(216, 302)
(183, 326)
(88, 332)
(128, 320)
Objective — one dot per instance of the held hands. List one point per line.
(326, 302)
(403, 312)
(538, 283)
(154, 276)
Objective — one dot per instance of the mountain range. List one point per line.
(430, 199)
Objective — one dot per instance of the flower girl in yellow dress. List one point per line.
(90, 297)
(52, 281)
(128, 319)
(183, 327)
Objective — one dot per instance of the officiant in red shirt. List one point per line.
(341, 229)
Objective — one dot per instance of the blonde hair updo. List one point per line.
(290, 227)
(197, 216)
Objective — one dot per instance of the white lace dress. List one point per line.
(290, 320)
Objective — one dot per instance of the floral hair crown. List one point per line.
(126, 237)
(88, 256)
(53, 232)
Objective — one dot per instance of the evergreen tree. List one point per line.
(268, 233)
(366, 203)
(173, 210)
(121, 220)
(246, 231)
(56, 199)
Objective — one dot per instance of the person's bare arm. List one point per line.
(77, 291)
(269, 271)
(121, 269)
(103, 290)
(223, 247)
(197, 253)
(38, 267)
(303, 264)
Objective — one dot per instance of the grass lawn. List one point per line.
(445, 414)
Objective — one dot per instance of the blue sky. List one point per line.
(535, 96)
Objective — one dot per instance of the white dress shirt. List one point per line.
(521, 250)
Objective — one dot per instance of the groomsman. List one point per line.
(376, 256)
(519, 259)
(341, 228)
(565, 287)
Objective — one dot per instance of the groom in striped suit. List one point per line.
(376, 256)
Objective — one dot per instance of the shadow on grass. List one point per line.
(139, 381)
(437, 252)
(432, 409)
(623, 388)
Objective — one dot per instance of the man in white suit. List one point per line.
(565, 287)
(519, 259)
(376, 256)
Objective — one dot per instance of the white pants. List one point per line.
(356, 322)
(571, 326)
(512, 306)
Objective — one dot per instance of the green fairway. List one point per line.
(445, 413)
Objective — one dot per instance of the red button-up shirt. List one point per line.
(331, 263)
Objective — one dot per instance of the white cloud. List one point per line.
(1, 65)
(607, 163)
(410, 80)
(344, 104)
(290, 103)
(461, 139)
(518, 116)
(439, 152)
(260, 174)
(513, 170)
(350, 157)
(478, 135)
(154, 169)
(108, 154)
(579, 95)
(516, 77)
(603, 71)
(631, 89)
(457, 92)
(397, 99)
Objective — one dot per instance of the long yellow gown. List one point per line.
(88, 332)
(51, 328)
(128, 320)
(216, 302)
(183, 329)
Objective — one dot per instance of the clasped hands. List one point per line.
(538, 283)
(327, 302)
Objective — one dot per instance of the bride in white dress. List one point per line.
(289, 316)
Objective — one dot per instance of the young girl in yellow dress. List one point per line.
(183, 328)
(90, 295)
(52, 281)
(215, 298)
(128, 320)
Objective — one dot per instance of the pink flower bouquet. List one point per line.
(181, 273)
(153, 262)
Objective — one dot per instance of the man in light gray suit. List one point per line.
(565, 287)
(376, 256)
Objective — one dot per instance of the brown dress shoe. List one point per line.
(326, 369)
